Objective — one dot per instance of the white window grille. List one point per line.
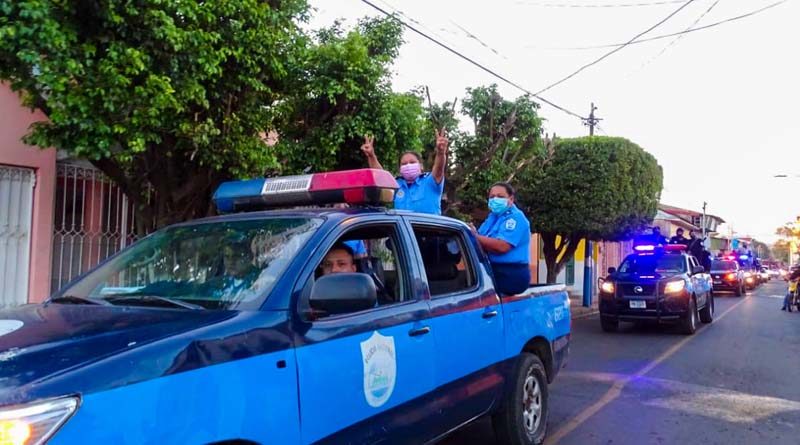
(16, 207)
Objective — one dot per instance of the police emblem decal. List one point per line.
(380, 368)
(511, 224)
(400, 194)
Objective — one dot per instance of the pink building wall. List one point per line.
(14, 123)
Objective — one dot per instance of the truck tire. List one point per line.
(689, 322)
(739, 290)
(707, 313)
(522, 418)
(609, 325)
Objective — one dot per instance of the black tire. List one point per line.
(689, 322)
(609, 325)
(739, 290)
(707, 313)
(510, 423)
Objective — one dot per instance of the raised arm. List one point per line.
(441, 156)
(369, 151)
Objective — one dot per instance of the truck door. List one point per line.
(364, 376)
(467, 321)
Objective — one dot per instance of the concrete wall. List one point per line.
(13, 126)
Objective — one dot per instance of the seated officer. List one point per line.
(238, 272)
(506, 237)
(340, 259)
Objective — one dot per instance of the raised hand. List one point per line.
(441, 141)
(368, 147)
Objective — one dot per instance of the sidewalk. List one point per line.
(577, 309)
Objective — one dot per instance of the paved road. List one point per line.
(736, 381)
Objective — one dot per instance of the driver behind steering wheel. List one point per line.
(341, 259)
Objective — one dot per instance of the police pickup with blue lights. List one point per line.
(657, 283)
(265, 327)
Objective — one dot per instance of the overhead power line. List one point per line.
(680, 36)
(598, 5)
(687, 31)
(615, 50)
(473, 62)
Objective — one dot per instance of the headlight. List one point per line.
(674, 287)
(34, 424)
(607, 287)
(730, 277)
(748, 275)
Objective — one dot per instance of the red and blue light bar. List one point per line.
(357, 187)
(644, 248)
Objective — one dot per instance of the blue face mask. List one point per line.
(498, 205)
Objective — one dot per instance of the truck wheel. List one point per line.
(689, 323)
(707, 313)
(739, 290)
(522, 419)
(609, 325)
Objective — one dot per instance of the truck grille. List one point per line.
(646, 290)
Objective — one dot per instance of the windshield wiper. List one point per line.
(74, 299)
(155, 299)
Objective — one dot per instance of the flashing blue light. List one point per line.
(743, 257)
(645, 248)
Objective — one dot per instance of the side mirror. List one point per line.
(612, 270)
(343, 293)
(698, 270)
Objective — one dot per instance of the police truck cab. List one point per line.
(235, 329)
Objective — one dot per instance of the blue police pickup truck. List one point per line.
(266, 327)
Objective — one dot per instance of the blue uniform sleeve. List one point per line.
(433, 186)
(514, 230)
(484, 228)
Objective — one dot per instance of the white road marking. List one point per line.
(717, 403)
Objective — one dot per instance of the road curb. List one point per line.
(585, 314)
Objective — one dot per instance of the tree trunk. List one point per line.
(565, 250)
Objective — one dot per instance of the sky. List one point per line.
(717, 107)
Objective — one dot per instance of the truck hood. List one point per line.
(52, 350)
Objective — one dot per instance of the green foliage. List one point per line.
(342, 92)
(162, 95)
(593, 187)
(506, 139)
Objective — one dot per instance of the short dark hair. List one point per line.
(679, 230)
(345, 247)
(509, 188)
(412, 153)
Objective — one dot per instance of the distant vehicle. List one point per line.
(774, 272)
(764, 274)
(662, 285)
(727, 276)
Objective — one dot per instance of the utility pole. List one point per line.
(591, 121)
(588, 257)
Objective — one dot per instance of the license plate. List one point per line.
(638, 304)
(717, 281)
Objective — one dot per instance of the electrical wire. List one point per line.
(473, 62)
(680, 36)
(666, 36)
(615, 50)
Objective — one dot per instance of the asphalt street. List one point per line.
(736, 381)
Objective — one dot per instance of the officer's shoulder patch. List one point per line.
(511, 224)
(400, 194)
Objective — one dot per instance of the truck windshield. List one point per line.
(219, 265)
(723, 265)
(653, 264)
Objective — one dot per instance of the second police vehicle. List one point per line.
(228, 330)
(661, 284)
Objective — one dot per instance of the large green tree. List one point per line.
(505, 139)
(599, 188)
(170, 98)
(342, 92)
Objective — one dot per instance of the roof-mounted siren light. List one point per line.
(356, 187)
(645, 248)
(675, 247)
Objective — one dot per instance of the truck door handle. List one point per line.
(490, 314)
(420, 331)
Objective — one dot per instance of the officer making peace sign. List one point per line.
(418, 191)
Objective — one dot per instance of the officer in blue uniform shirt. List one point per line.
(418, 191)
(506, 237)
